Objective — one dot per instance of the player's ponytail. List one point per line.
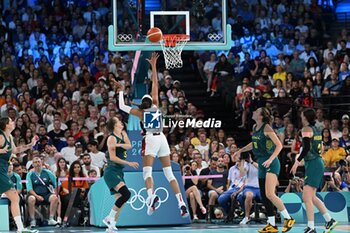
(265, 113)
(110, 124)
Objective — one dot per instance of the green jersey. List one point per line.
(120, 153)
(263, 146)
(315, 145)
(5, 157)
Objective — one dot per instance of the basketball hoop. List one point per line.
(172, 45)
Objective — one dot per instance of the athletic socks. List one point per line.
(271, 220)
(19, 223)
(311, 224)
(149, 192)
(112, 214)
(327, 217)
(179, 199)
(285, 214)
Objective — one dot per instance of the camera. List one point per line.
(187, 168)
(327, 178)
(342, 162)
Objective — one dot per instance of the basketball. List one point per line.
(154, 35)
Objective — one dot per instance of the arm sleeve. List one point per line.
(306, 148)
(29, 182)
(122, 105)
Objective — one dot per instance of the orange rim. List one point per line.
(171, 39)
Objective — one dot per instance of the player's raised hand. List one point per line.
(153, 59)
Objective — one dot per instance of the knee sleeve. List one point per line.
(168, 173)
(125, 195)
(147, 172)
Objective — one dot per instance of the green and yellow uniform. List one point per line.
(5, 182)
(114, 174)
(314, 165)
(263, 148)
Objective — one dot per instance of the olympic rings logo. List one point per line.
(124, 37)
(138, 201)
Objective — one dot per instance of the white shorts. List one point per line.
(156, 145)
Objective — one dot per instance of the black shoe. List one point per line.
(309, 230)
(330, 226)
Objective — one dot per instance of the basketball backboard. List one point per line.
(203, 20)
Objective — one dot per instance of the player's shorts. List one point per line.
(274, 168)
(156, 144)
(5, 182)
(113, 176)
(314, 170)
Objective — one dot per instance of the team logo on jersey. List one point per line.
(152, 120)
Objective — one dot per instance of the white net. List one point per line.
(172, 46)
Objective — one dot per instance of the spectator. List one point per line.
(98, 158)
(344, 141)
(87, 166)
(294, 185)
(217, 186)
(326, 139)
(335, 133)
(334, 154)
(251, 190)
(61, 168)
(75, 171)
(235, 184)
(197, 157)
(192, 191)
(208, 70)
(40, 187)
(68, 152)
(345, 121)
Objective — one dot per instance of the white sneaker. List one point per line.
(59, 220)
(244, 221)
(32, 224)
(112, 230)
(25, 230)
(151, 202)
(195, 217)
(109, 223)
(51, 222)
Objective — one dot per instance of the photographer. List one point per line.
(192, 191)
(344, 174)
(294, 185)
(249, 169)
(332, 183)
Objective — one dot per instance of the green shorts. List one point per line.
(113, 176)
(314, 170)
(274, 168)
(5, 182)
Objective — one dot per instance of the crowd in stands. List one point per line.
(54, 83)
